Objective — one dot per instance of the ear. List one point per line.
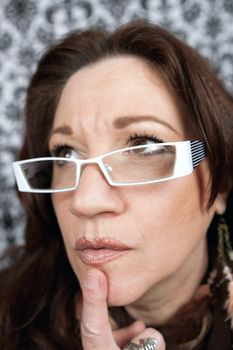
(220, 203)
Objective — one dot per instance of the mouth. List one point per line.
(99, 251)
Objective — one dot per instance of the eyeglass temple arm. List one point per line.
(198, 152)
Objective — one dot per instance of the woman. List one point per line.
(126, 183)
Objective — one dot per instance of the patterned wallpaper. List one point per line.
(28, 26)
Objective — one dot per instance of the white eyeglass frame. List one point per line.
(188, 155)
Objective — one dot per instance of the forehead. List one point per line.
(117, 86)
(112, 68)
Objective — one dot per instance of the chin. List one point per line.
(116, 299)
(123, 289)
(122, 294)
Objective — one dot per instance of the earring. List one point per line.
(224, 242)
(225, 256)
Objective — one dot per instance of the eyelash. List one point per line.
(144, 135)
(57, 148)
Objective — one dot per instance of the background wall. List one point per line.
(28, 26)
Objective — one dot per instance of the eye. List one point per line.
(64, 151)
(153, 146)
(143, 139)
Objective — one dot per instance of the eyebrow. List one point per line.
(119, 123)
(65, 130)
(123, 122)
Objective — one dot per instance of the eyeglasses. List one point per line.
(138, 165)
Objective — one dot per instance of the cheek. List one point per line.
(173, 215)
(69, 227)
(61, 205)
(170, 225)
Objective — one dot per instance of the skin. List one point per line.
(164, 224)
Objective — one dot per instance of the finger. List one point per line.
(150, 334)
(124, 335)
(95, 328)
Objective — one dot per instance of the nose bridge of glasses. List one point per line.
(96, 163)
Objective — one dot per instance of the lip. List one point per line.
(100, 250)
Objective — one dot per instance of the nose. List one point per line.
(94, 196)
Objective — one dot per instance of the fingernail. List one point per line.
(92, 281)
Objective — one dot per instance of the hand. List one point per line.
(95, 327)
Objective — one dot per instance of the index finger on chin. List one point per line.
(95, 327)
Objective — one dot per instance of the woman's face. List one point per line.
(104, 107)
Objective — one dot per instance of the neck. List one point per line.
(163, 300)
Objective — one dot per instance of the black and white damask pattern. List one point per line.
(28, 26)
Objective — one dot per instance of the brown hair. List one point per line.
(37, 292)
